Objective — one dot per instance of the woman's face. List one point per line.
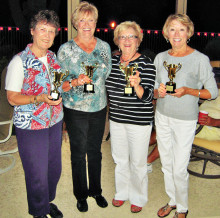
(86, 25)
(43, 35)
(128, 41)
(177, 34)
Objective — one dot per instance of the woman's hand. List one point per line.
(180, 92)
(82, 79)
(135, 80)
(162, 92)
(47, 99)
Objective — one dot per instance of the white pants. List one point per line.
(129, 145)
(174, 139)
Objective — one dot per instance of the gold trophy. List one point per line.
(58, 78)
(89, 69)
(172, 69)
(128, 71)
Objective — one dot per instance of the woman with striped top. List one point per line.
(130, 117)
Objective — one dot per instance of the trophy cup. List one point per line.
(128, 71)
(172, 69)
(89, 69)
(58, 78)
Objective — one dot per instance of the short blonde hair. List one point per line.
(126, 25)
(83, 8)
(183, 19)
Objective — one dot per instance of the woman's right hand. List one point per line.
(162, 92)
(81, 80)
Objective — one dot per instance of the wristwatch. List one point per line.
(70, 83)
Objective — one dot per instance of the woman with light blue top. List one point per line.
(177, 113)
(85, 112)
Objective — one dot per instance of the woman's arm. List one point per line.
(16, 98)
(201, 93)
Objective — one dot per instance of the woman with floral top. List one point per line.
(85, 112)
(37, 118)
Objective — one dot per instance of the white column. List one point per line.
(181, 6)
(71, 5)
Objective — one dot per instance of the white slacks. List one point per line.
(174, 139)
(129, 144)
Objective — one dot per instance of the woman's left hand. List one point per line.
(180, 92)
(82, 79)
(135, 80)
(47, 99)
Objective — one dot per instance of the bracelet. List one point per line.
(199, 94)
(35, 100)
(70, 83)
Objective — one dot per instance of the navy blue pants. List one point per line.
(85, 131)
(40, 152)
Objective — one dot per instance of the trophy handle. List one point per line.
(96, 66)
(179, 67)
(165, 65)
(66, 74)
(135, 67)
(83, 65)
(120, 67)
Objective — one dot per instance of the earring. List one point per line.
(167, 40)
(137, 48)
(188, 40)
(119, 49)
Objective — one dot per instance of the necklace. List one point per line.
(128, 59)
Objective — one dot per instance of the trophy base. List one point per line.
(55, 96)
(170, 87)
(129, 91)
(89, 88)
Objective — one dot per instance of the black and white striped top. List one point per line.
(131, 110)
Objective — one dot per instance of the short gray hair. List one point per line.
(48, 16)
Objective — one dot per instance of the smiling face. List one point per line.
(177, 34)
(86, 25)
(43, 36)
(128, 41)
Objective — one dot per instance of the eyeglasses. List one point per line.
(44, 30)
(129, 37)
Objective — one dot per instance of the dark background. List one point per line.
(150, 14)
